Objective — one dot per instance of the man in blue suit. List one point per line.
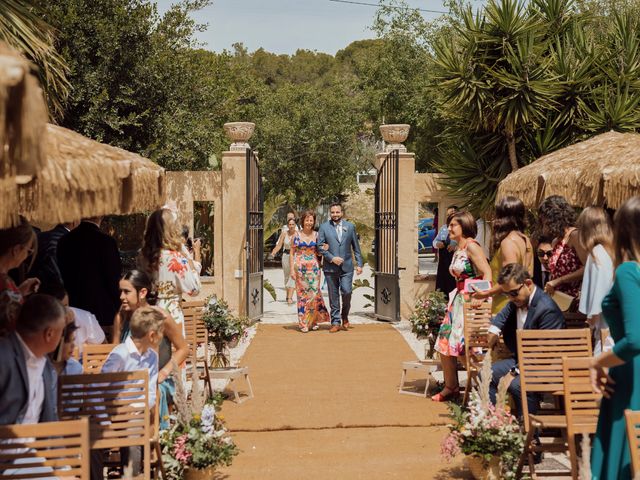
(529, 308)
(339, 244)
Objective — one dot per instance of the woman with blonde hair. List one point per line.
(173, 273)
(615, 373)
(596, 237)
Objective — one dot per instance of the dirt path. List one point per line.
(327, 406)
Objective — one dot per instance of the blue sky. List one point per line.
(283, 26)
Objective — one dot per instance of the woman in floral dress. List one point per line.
(468, 261)
(305, 271)
(174, 273)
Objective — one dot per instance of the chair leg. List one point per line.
(207, 378)
(246, 377)
(232, 384)
(525, 452)
(402, 377)
(467, 389)
(160, 467)
(573, 455)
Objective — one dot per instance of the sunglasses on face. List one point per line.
(545, 253)
(514, 293)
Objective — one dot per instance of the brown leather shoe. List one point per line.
(334, 329)
(345, 325)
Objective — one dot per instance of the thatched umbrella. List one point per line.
(604, 170)
(23, 119)
(85, 178)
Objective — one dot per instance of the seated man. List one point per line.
(529, 308)
(28, 381)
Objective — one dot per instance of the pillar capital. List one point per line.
(239, 133)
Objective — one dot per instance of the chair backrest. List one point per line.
(94, 356)
(476, 326)
(117, 405)
(581, 403)
(45, 450)
(540, 354)
(193, 323)
(633, 435)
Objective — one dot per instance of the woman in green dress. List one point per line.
(616, 373)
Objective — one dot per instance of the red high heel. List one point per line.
(452, 395)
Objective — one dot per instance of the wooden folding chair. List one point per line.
(632, 419)
(94, 356)
(476, 325)
(581, 404)
(540, 354)
(197, 338)
(45, 450)
(117, 406)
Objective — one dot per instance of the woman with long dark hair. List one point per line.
(557, 220)
(509, 244)
(615, 373)
(172, 273)
(136, 290)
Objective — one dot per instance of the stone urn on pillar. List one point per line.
(239, 133)
(394, 135)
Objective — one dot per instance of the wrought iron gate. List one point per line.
(387, 285)
(254, 235)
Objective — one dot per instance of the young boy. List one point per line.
(138, 352)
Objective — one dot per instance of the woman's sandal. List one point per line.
(304, 329)
(442, 397)
(289, 301)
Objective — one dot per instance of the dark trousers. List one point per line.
(499, 370)
(339, 286)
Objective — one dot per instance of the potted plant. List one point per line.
(488, 434)
(427, 317)
(225, 329)
(196, 441)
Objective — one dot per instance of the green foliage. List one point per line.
(428, 313)
(268, 286)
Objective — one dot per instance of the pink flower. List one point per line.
(180, 449)
(450, 446)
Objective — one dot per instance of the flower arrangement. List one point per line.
(196, 438)
(224, 329)
(486, 431)
(427, 317)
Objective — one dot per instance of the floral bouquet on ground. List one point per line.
(489, 434)
(196, 441)
(427, 317)
(225, 329)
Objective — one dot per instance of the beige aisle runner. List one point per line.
(327, 406)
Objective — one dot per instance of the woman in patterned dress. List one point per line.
(558, 219)
(173, 273)
(305, 271)
(468, 261)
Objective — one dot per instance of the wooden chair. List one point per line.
(94, 356)
(540, 354)
(633, 436)
(582, 404)
(197, 337)
(117, 406)
(45, 450)
(476, 325)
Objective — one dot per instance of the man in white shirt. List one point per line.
(529, 308)
(27, 378)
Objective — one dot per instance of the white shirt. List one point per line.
(89, 330)
(521, 315)
(35, 368)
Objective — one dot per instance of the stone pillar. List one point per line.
(234, 215)
(394, 135)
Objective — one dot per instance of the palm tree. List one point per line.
(22, 28)
(495, 74)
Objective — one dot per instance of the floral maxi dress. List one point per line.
(451, 335)
(311, 307)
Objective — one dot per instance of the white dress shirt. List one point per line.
(521, 315)
(125, 357)
(35, 368)
(89, 330)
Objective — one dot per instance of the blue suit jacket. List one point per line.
(543, 314)
(346, 248)
(14, 384)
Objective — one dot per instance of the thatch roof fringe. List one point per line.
(603, 170)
